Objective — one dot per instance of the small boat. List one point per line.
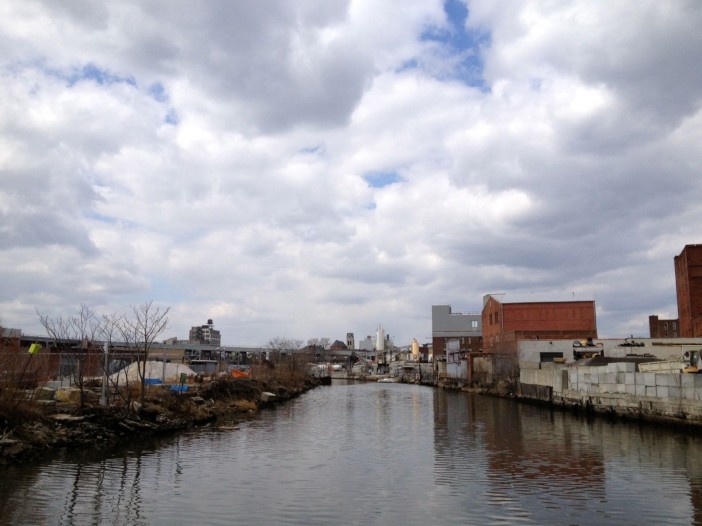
(388, 380)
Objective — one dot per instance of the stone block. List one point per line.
(67, 394)
(662, 391)
(688, 393)
(630, 389)
(611, 368)
(674, 392)
(621, 378)
(687, 380)
(267, 396)
(628, 367)
(620, 388)
(630, 378)
(640, 390)
(668, 379)
(650, 391)
(44, 393)
(649, 379)
(608, 378)
(606, 388)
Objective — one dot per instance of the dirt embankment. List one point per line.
(31, 431)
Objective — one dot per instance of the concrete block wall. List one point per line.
(615, 378)
(620, 389)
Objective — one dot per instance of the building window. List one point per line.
(474, 324)
(665, 326)
(675, 325)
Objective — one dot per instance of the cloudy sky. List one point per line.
(305, 169)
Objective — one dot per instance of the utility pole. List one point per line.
(103, 395)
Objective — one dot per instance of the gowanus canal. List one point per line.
(377, 453)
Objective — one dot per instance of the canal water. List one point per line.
(377, 454)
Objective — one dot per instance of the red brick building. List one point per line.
(688, 285)
(506, 322)
(659, 328)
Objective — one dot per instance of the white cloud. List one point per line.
(216, 160)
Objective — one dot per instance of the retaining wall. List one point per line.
(617, 388)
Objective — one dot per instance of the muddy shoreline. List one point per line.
(33, 431)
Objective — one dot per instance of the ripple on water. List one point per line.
(376, 454)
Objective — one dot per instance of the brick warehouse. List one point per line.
(505, 322)
(688, 285)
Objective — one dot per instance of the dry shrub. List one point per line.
(245, 405)
(15, 412)
(228, 388)
(281, 375)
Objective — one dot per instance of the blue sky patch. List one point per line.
(158, 92)
(462, 44)
(380, 179)
(100, 76)
(172, 117)
(312, 150)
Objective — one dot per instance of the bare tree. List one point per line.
(108, 333)
(321, 347)
(72, 337)
(284, 350)
(139, 331)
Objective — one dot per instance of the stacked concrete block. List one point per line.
(691, 386)
(620, 388)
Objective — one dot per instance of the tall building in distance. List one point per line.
(205, 334)
(688, 286)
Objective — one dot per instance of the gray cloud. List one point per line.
(214, 157)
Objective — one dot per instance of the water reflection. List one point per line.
(550, 467)
(377, 454)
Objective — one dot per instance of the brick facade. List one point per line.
(506, 323)
(663, 328)
(688, 285)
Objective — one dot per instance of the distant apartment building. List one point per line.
(688, 285)
(454, 333)
(206, 334)
(367, 344)
(659, 328)
(505, 321)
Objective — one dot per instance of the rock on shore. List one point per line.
(32, 431)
